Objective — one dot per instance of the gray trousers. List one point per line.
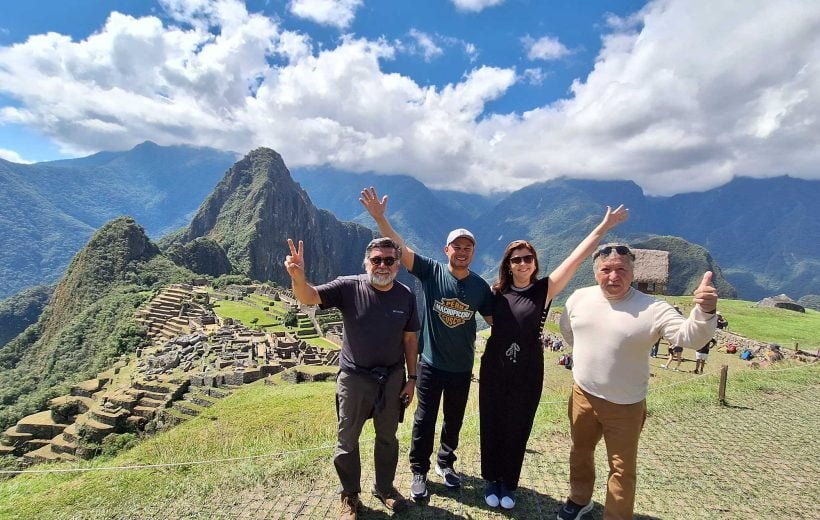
(355, 397)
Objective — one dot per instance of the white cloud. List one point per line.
(12, 156)
(336, 13)
(428, 47)
(471, 51)
(683, 96)
(544, 48)
(475, 5)
(534, 76)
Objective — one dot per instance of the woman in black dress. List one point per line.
(512, 367)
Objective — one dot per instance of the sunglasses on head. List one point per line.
(621, 250)
(527, 259)
(379, 260)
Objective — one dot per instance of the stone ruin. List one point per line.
(194, 359)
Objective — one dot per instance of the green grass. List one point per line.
(780, 326)
(275, 307)
(244, 313)
(322, 343)
(272, 419)
(293, 426)
(238, 426)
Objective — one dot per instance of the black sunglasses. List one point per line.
(527, 259)
(621, 250)
(379, 260)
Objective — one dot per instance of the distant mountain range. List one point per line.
(48, 211)
(761, 232)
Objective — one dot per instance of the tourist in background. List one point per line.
(702, 355)
(653, 352)
(380, 339)
(611, 327)
(512, 367)
(453, 295)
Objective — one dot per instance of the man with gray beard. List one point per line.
(380, 337)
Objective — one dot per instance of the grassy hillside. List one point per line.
(780, 326)
(269, 449)
(264, 451)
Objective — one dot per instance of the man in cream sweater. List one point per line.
(611, 328)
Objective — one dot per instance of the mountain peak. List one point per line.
(108, 257)
(257, 206)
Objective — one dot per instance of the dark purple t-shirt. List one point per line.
(375, 321)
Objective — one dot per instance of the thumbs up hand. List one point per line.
(706, 296)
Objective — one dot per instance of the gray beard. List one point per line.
(382, 280)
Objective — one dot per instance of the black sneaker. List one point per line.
(573, 511)
(418, 489)
(451, 478)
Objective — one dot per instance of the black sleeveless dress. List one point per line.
(511, 379)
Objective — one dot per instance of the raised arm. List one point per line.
(562, 274)
(377, 209)
(295, 265)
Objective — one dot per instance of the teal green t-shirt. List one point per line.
(450, 305)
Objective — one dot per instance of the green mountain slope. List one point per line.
(22, 310)
(688, 262)
(89, 321)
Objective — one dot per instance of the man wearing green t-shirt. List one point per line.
(452, 295)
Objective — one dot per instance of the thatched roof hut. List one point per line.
(651, 270)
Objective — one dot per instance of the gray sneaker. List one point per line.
(573, 511)
(418, 489)
(451, 478)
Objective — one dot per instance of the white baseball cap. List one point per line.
(458, 233)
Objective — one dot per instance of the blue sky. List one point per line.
(477, 95)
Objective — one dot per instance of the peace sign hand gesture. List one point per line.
(294, 262)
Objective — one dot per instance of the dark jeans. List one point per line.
(430, 386)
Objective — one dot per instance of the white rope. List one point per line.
(163, 465)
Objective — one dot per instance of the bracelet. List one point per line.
(414, 376)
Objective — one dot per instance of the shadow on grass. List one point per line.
(735, 406)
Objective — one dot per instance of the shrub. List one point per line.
(114, 443)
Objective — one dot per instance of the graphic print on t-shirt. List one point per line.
(452, 311)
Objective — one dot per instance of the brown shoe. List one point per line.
(348, 506)
(392, 499)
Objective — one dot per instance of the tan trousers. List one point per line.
(620, 425)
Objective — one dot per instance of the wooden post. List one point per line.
(724, 373)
